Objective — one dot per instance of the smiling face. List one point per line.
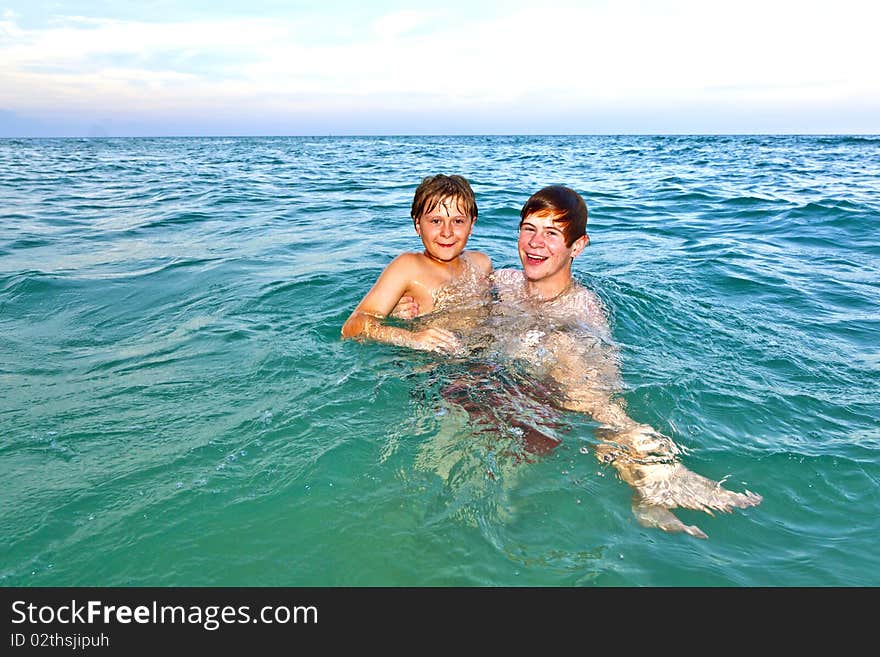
(546, 258)
(445, 230)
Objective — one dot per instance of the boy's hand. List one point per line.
(406, 308)
(436, 339)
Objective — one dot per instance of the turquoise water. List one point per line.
(177, 407)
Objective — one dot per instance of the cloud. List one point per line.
(400, 22)
(559, 58)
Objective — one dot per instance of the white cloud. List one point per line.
(628, 55)
(400, 22)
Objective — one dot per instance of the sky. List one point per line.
(273, 67)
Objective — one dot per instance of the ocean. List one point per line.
(177, 407)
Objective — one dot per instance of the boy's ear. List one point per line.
(579, 245)
(416, 226)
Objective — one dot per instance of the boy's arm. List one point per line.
(644, 458)
(367, 320)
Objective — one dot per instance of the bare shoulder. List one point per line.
(399, 273)
(589, 308)
(508, 276)
(481, 261)
(406, 264)
(408, 258)
(585, 298)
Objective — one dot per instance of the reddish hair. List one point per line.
(564, 205)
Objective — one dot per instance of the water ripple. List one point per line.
(174, 384)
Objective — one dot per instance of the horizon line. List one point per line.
(453, 134)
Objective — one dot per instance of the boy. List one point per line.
(444, 211)
(570, 342)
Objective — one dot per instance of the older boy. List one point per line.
(444, 211)
(569, 344)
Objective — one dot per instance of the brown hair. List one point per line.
(564, 205)
(435, 189)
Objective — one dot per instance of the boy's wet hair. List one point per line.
(435, 189)
(564, 205)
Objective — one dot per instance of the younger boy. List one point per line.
(443, 211)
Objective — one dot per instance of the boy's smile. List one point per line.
(545, 256)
